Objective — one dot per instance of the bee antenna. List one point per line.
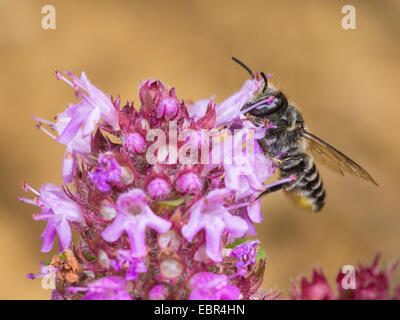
(265, 80)
(244, 66)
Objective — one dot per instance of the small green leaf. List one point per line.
(236, 243)
(47, 263)
(62, 257)
(172, 203)
(261, 254)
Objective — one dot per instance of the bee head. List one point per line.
(270, 105)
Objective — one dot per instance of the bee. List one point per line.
(292, 148)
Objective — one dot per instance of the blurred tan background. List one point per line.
(346, 82)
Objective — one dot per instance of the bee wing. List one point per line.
(329, 156)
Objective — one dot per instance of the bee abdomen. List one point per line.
(308, 190)
(313, 188)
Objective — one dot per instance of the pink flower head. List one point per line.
(210, 214)
(317, 289)
(107, 288)
(157, 229)
(134, 216)
(107, 171)
(371, 283)
(211, 286)
(59, 211)
(129, 264)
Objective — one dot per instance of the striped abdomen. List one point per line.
(308, 190)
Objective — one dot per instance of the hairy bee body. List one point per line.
(285, 145)
(293, 149)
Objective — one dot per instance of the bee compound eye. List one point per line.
(266, 109)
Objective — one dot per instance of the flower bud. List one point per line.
(107, 211)
(158, 292)
(127, 175)
(158, 188)
(150, 93)
(170, 240)
(104, 260)
(135, 143)
(188, 183)
(167, 109)
(171, 269)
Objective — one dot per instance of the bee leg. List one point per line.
(276, 161)
(294, 164)
(292, 169)
(273, 188)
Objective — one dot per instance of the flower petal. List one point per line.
(48, 236)
(114, 231)
(254, 211)
(194, 225)
(64, 233)
(214, 231)
(234, 224)
(155, 222)
(137, 238)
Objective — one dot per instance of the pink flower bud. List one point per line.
(167, 109)
(150, 93)
(187, 183)
(158, 292)
(171, 269)
(135, 143)
(170, 240)
(158, 188)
